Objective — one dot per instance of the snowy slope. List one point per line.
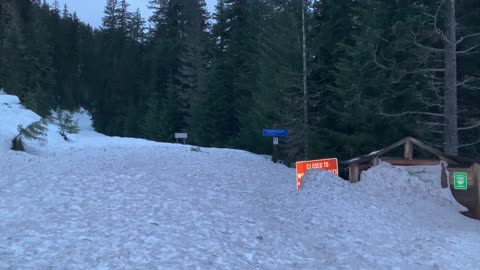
(115, 203)
(12, 114)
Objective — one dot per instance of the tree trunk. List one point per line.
(17, 144)
(450, 139)
(305, 89)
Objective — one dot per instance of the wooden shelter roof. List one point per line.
(457, 160)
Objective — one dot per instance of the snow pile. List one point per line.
(419, 181)
(322, 181)
(12, 114)
(427, 174)
(387, 178)
(382, 186)
(389, 219)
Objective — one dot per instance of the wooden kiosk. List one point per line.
(469, 197)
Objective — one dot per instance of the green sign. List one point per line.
(460, 180)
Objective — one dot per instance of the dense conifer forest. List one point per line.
(345, 77)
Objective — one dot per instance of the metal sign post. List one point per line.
(275, 133)
(275, 150)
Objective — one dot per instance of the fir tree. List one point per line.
(35, 131)
(66, 124)
(178, 52)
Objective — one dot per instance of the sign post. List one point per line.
(460, 180)
(275, 150)
(275, 133)
(183, 136)
(302, 167)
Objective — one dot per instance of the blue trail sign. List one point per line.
(275, 132)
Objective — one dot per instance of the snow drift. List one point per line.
(12, 114)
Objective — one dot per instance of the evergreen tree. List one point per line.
(332, 31)
(66, 124)
(35, 131)
(233, 71)
(136, 27)
(152, 126)
(178, 66)
(120, 61)
(364, 85)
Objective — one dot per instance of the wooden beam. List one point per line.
(369, 158)
(393, 146)
(410, 162)
(408, 154)
(432, 150)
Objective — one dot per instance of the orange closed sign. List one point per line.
(330, 164)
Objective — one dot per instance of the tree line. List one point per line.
(345, 77)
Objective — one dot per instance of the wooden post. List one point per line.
(354, 173)
(444, 177)
(476, 186)
(408, 154)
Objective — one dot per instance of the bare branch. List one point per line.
(410, 112)
(435, 22)
(429, 70)
(468, 50)
(431, 124)
(469, 87)
(468, 36)
(469, 144)
(470, 127)
(375, 60)
(468, 80)
(429, 103)
(466, 83)
(420, 45)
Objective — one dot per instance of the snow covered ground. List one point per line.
(113, 203)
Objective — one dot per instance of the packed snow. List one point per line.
(99, 202)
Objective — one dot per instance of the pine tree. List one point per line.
(119, 79)
(278, 58)
(332, 30)
(363, 85)
(178, 67)
(110, 18)
(136, 27)
(66, 124)
(233, 70)
(35, 131)
(294, 98)
(152, 126)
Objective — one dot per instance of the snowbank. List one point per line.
(382, 184)
(12, 114)
(418, 181)
(382, 216)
